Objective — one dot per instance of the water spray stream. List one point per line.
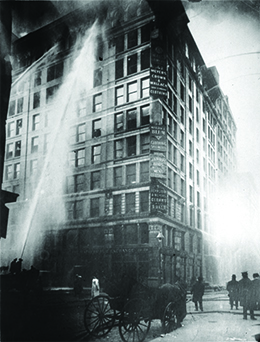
(67, 91)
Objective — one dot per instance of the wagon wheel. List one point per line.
(169, 320)
(99, 317)
(135, 321)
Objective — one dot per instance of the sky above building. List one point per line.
(227, 35)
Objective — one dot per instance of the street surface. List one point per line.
(216, 323)
(58, 316)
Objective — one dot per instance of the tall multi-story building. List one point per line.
(140, 149)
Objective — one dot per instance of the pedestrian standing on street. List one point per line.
(198, 292)
(232, 287)
(246, 295)
(95, 287)
(256, 290)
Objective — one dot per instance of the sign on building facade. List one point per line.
(158, 75)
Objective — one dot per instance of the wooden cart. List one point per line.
(133, 309)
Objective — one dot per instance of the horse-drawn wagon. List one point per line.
(132, 306)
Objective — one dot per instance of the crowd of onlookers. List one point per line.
(245, 291)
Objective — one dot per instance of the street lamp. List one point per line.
(160, 238)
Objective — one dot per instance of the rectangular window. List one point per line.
(131, 146)
(16, 170)
(182, 115)
(145, 33)
(190, 171)
(174, 159)
(118, 149)
(190, 104)
(175, 129)
(130, 203)
(182, 162)
(198, 177)
(50, 93)
(144, 201)
(37, 78)
(145, 115)
(96, 128)
(145, 88)
(191, 243)
(81, 108)
(144, 171)
(197, 115)
(97, 77)
(145, 143)
(96, 154)
(191, 216)
(131, 234)
(118, 235)
(170, 177)
(118, 176)
(119, 96)
(131, 64)
(119, 122)
(130, 174)
(132, 39)
(20, 105)
(190, 125)
(182, 187)
(191, 194)
(95, 180)
(97, 103)
(78, 207)
(198, 219)
(169, 150)
(182, 92)
(17, 151)
(35, 122)
(35, 144)
(132, 91)
(78, 157)
(79, 182)
(94, 207)
(169, 205)
(33, 166)
(8, 172)
(119, 44)
(119, 69)
(197, 156)
(10, 129)
(197, 135)
(198, 199)
(55, 71)
(190, 148)
(144, 233)
(36, 99)
(80, 133)
(175, 181)
(145, 59)
(12, 107)
(131, 118)
(117, 204)
(182, 138)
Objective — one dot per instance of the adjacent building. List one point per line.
(147, 145)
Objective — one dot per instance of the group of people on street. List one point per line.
(245, 291)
